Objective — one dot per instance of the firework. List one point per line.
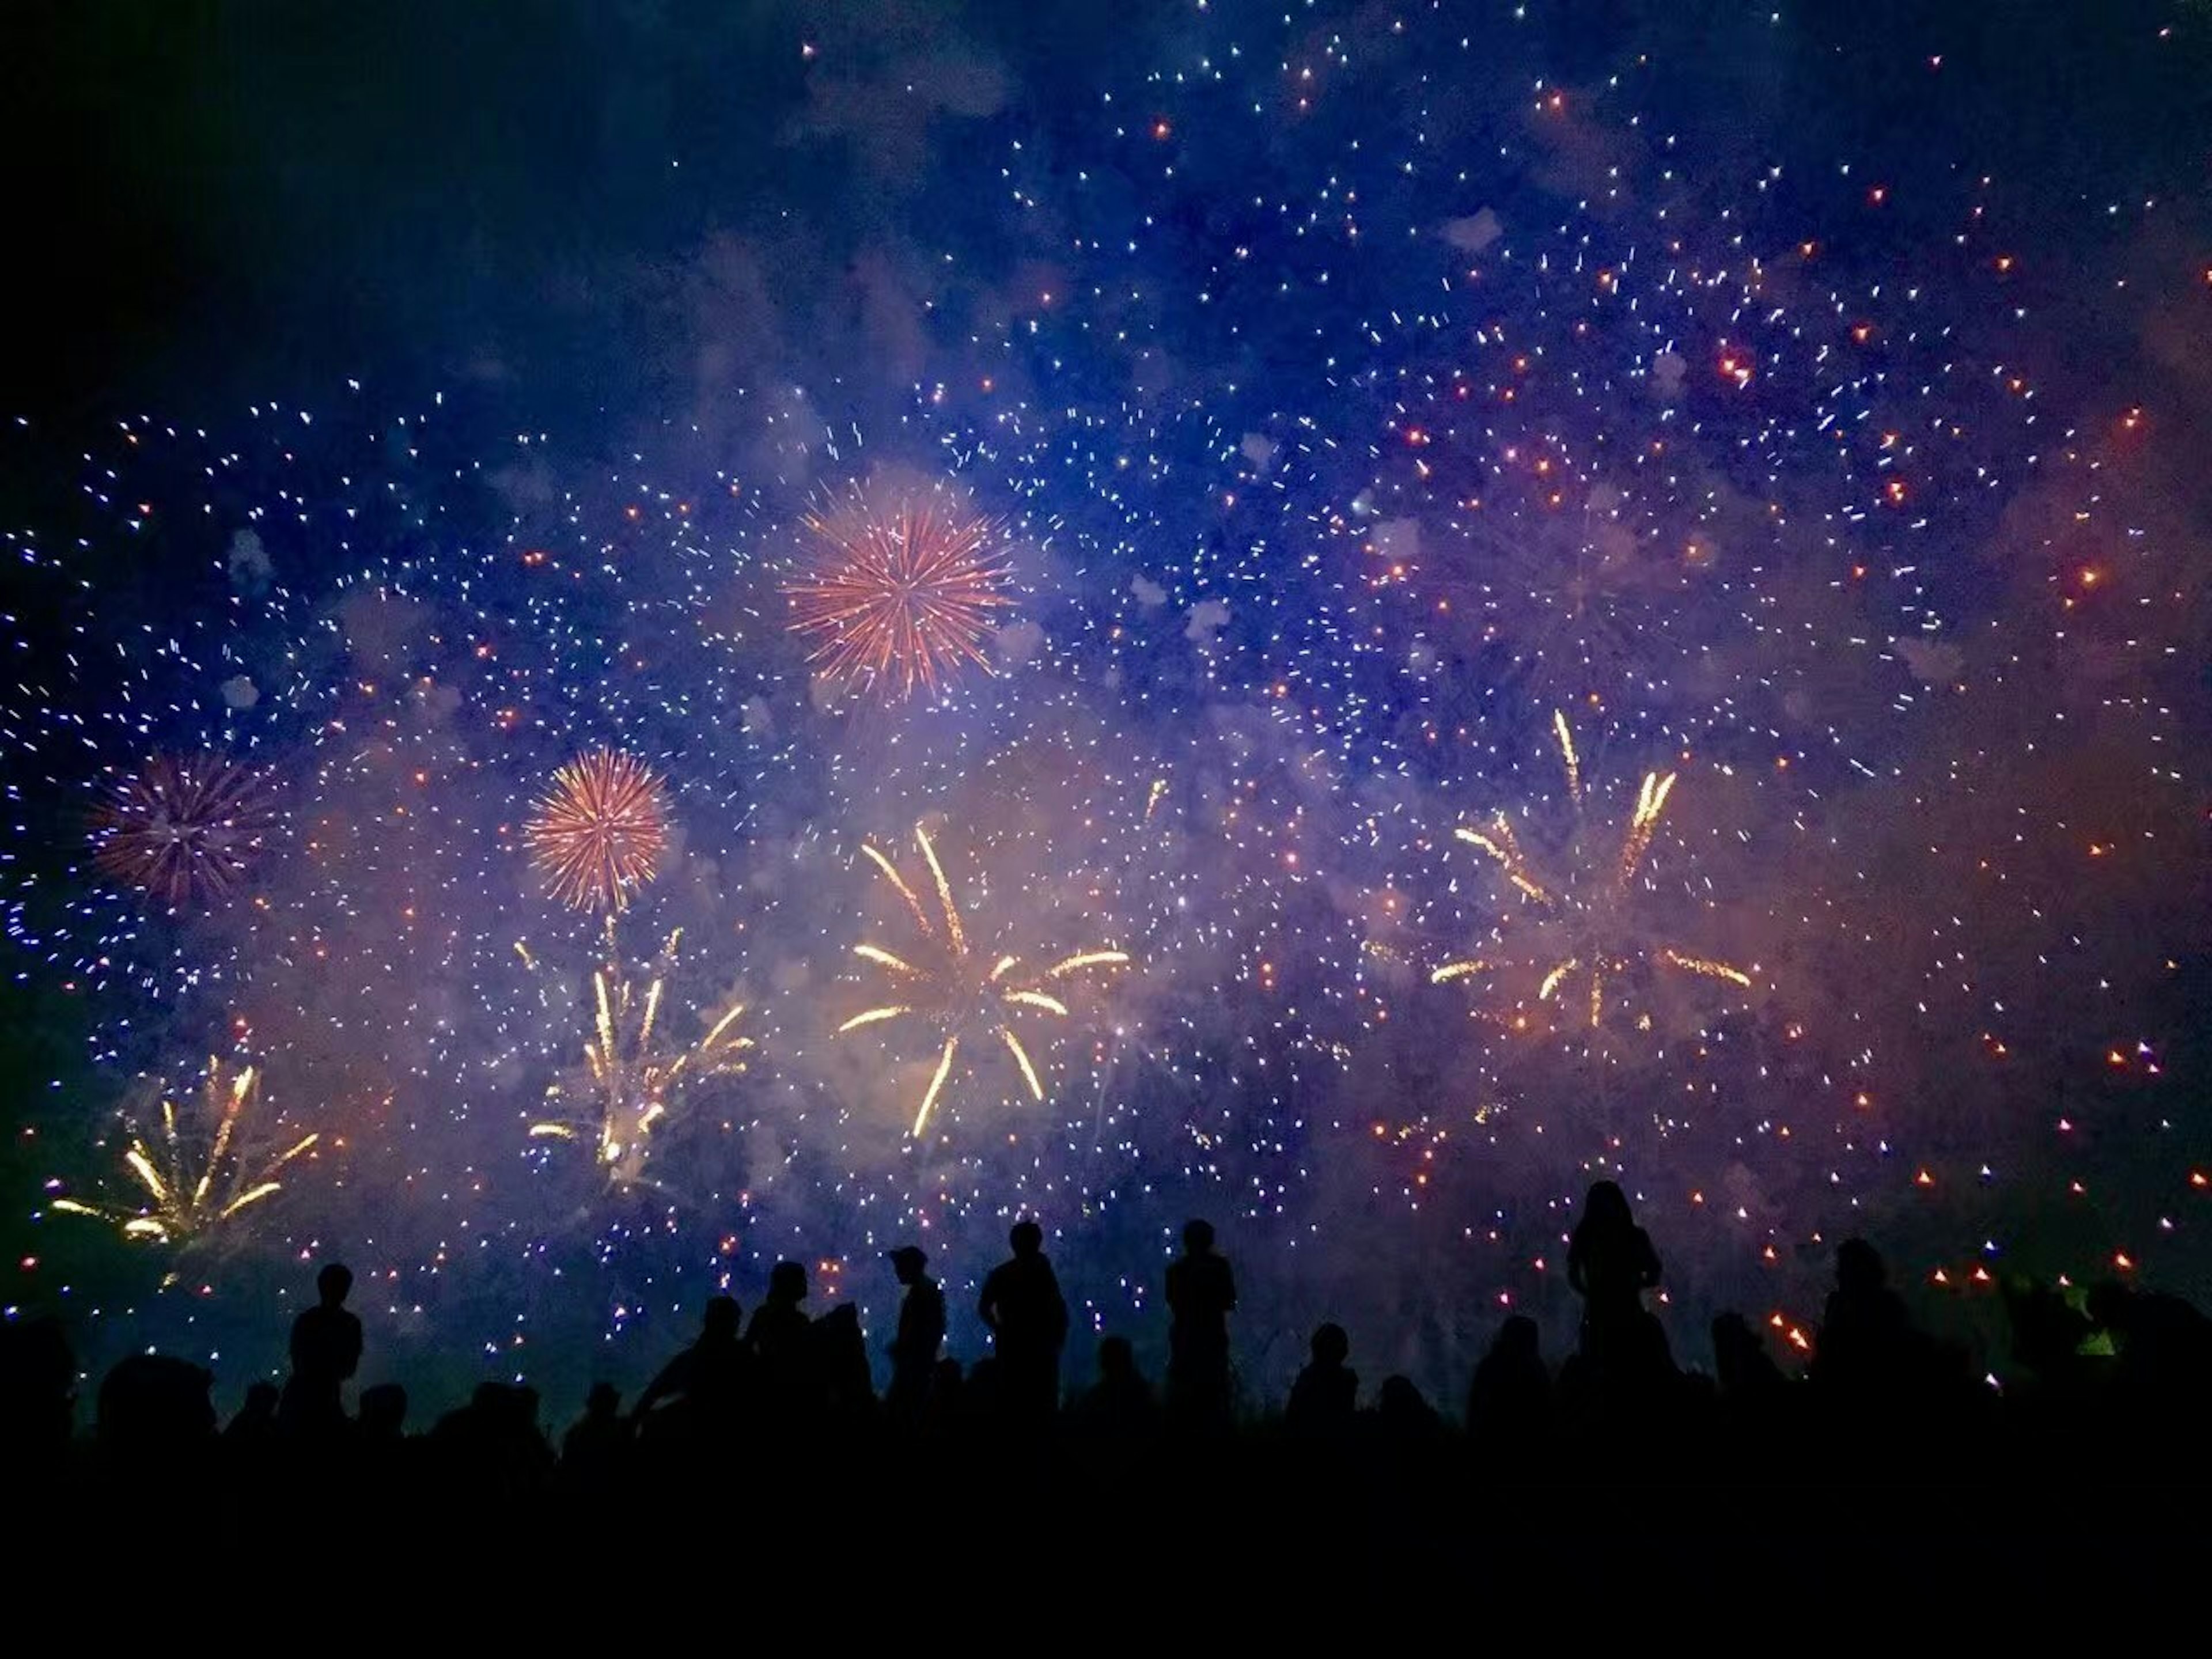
(184, 830)
(598, 834)
(949, 985)
(898, 600)
(632, 1081)
(196, 1178)
(1598, 945)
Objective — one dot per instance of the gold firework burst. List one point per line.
(598, 834)
(195, 1177)
(950, 987)
(1588, 907)
(632, 1081)
(897, 600)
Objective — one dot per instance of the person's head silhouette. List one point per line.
(908, 1263)
(786, 1283)
(602, 1401)
(1858, 1267)
(1027, 1239)
(1331, 1346)
(1606, 1206)
(333, 1283)
(722, 1316)
(1198, 1237)
(1517, 1337)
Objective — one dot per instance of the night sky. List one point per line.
(1404, 439)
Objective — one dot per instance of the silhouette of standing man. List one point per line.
(325, 1353)
(1028, 1319)
(1201, 1295)
(920, 1334)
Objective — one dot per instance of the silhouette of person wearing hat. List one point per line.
(920, 1334)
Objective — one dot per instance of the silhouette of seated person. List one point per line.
(325, 1353)
(706, 1387)
(2163, 1345)
(1201, 1295)
(595, 1451)
(1865, 1345)
(1323, 1399)
(1610, 1264)
(1027, 1317)
(1118, 1406)
(913, 1349)
(779, 1340)
(1509, 1401)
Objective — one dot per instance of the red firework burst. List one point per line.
(598, 834)
(184, 830)
(898, 600)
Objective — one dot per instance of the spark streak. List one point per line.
(962, 998)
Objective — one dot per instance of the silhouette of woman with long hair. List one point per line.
(1611, 1263)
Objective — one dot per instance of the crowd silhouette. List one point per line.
(784, 1407)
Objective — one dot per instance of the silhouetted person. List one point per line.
(383, 1414)
(707, 1385)
(1323, 1397)
(38, 1393)
(493, 1447)
(1752, 1386)
(1027, 1317)
(596, 1450)
(783, 1359)
(838, 1361)
(1610, 1264)
(1118, 1406)
(920, 1334)
(1404, 1419)
(1865, 1343)
(1201, 1295)
(156, 1405)
(1029, 1324)
(325, 1353)
(389, 1461)
(1509, 1402)
(256, 1419)
(2047, 1334)
(2164, 1345)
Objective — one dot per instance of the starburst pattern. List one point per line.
(898, 600)
(598, 835)
(195, 1177)
(948, 985)
(1592, 943)
(632, 1081)
(184, 830)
